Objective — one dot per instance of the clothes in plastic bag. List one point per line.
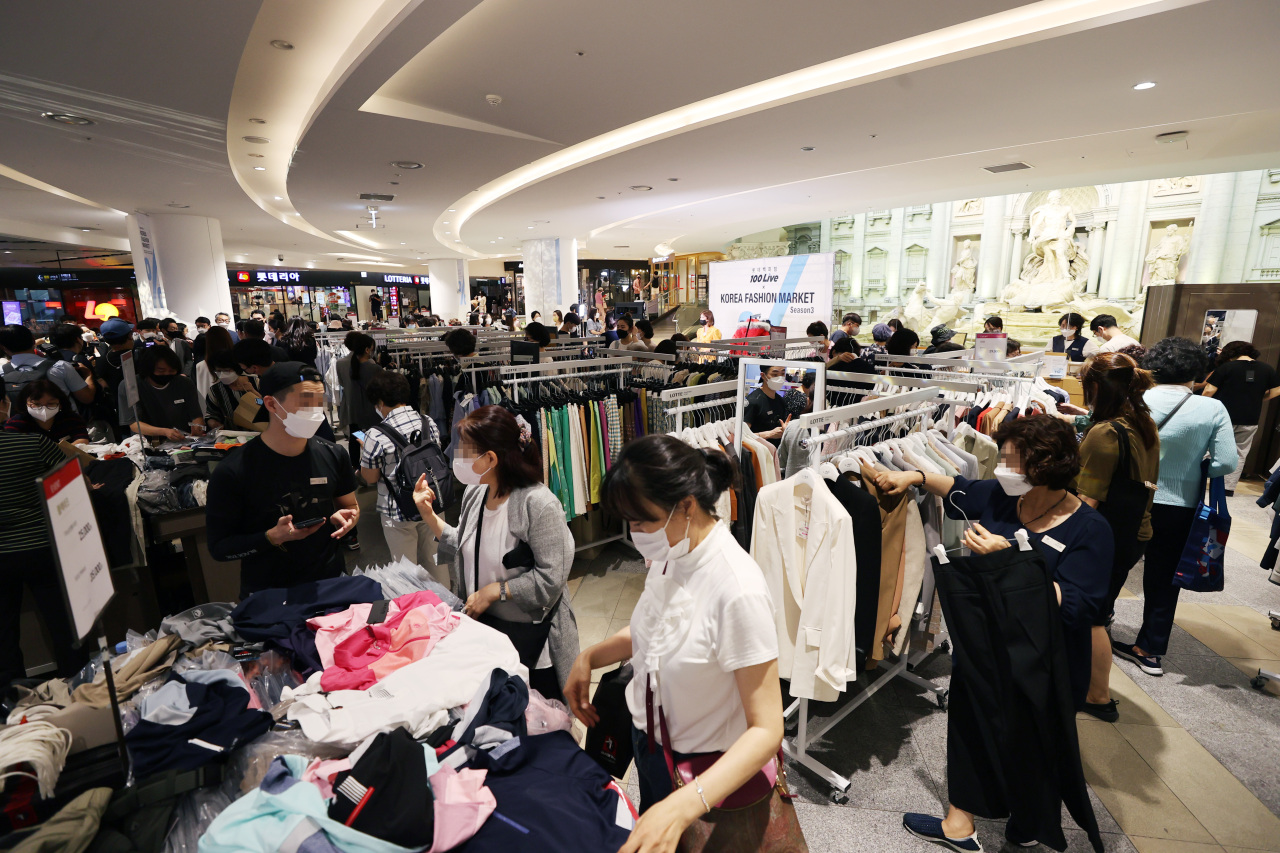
(268, 675)
(244, 771)
(155, 495)
(545, 715)
(195, 811)
(404, 577)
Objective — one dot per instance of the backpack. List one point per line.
(16, 377)
(415, 457)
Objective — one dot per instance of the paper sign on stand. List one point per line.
(991, 346)
(77, 545)
(1055, 364)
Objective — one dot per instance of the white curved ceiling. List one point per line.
(171, 88)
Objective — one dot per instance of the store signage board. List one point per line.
(77, 545)
(12, 313)
(1055, 364)
(793, 290)
(991, 346)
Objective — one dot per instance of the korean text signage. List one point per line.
(792, 291)
(73, 529)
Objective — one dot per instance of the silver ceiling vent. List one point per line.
(1006, 167)
(376, 197)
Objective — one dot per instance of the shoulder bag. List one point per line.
(757, 818)
(1128, 499)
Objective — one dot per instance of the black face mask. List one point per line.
(702, 321)
(161, 381)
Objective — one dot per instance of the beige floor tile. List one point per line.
(1218, 635)
(591, 630)
(1249, 541)
(1218, 800)
(598, 596)
(1124, 593)
(572, 587)
(1251, 623)
(630, 596)
(1250, 487)
(1136, 707)
(1250, 667)
(1167, 845)
(1131, 790)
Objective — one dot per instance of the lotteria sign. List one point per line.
(791, 291)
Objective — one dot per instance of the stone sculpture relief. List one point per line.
(964, 273)
(1057, 269)
(1177, 186)
(1162, 261)
(970, 207)
(750, 251)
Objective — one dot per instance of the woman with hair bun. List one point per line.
(512, 550)
(1113, 387)
(702, 637)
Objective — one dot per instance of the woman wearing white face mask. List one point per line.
(43, 407)
(512, 550)
(224, 394)
(702, 638)
(1069, 339)
(1039, 459)
(766, 411)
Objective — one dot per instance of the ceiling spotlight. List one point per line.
(257, 121)
(499, 238)
(530, 227)
(67, 118)
(178, 206)
(493, 241)
(404, 244)
(281, 44)
(453, 210)
(807, 148)
(256, 140)
(641, 188)
(259, 168)
(85, 228)
(446, 222)
(406, 164)
(1144, 86)
(448, 232)
(279, 198)
(493, 100)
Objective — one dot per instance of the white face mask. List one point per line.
(148, 336)
(227, 377)
(655, 547)
(44, 413)
(775, 382)
(465, 472)
(1013, 482)
(225, 324)
(1068, 333)
(304, 422)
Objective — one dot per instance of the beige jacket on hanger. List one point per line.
(808, 561)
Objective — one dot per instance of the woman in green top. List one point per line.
(1113, 387)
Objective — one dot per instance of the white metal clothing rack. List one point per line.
(724, 394)
(899, 667)
(819, 392)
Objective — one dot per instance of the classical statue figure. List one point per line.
(1056, 270)
(1162, 261)
(949, 311)
(965, 270)
(914, 314)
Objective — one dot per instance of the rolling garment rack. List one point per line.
(798, 747)
(723, 396)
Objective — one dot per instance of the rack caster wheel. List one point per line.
(1258, 682)
(942, 699)
(944, 646)
(839, 797)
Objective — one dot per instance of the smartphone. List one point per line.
(310, 522)
(359, 435)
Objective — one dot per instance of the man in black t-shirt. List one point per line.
(766, 412)
(281, 503)
(1242, 385)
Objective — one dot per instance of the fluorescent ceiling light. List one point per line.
(1147, 85)
(1022, 25)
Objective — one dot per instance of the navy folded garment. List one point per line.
(551, 798)
(502, 707)
(204, 725)
(280, 616)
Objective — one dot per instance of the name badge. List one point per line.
(1053, 543)
(179, 401)
(320, 481)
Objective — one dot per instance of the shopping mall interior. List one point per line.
(611, 252)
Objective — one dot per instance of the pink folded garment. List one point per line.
(376, 651)
(462, 805)
(332, 629)
(543, 715)
(322, 771)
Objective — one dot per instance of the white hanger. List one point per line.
(828, 471)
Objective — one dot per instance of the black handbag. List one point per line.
(1128, 499)
(609, 741)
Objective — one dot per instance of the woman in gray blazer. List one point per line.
(512, 550)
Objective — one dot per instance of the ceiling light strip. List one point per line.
(1003, 30)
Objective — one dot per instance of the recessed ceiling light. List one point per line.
(67, 118)
(641, 188)
(256, 140)
(673, 179)
(404, 244)
(179, 206)
(259, 168)
(448, 232)
(453, 210)
(406, 164)
(499, 238)
(807, 148)
(1145, 85)
(493, 241)
(279, 198)
(600, 197)
(85, 228)
(393, 183)
(530, 227)
(257, 121)
(446, 222)
(281, 44)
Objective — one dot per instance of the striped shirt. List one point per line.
(377, 451)
(23, 457)
(1201, 426)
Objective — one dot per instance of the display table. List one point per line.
(211, 580)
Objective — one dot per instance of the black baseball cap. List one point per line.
(286, 374)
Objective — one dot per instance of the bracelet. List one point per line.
(701, 796)
(923, 478)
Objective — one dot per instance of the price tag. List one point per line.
(1056, 364)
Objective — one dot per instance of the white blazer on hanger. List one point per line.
(812, 577)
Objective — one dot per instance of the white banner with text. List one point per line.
(791, 291)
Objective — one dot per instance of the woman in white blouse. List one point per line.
(702, 635)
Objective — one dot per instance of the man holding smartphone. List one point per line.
(281, 503)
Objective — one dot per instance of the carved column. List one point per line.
(1123, 270)
(1209, 238)
(1097, 232)
(1015, 257)
(991, 250)
(893, 262)
(938, 272)
(859, 263)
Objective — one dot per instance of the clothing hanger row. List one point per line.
(1020, 537)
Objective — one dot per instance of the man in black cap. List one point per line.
(281, 503)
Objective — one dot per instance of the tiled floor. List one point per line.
(1193, 766)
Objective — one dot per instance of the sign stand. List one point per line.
(131, 388)
(83, 571)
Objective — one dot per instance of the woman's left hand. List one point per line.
(478, 602)
(659, 829)
(980, 541)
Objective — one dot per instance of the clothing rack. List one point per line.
(798, 747)
(756, 347)
(819, 389)
(729, 388)
(813, 440)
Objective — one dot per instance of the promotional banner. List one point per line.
(151, 297)
(791, 291)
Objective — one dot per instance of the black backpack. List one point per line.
(16, 377)
(415, 457)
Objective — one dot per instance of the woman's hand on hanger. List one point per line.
(1072, 409)
(895, 482)
(480, 600)
(979, 540)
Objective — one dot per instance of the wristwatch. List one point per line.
(502, 591)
